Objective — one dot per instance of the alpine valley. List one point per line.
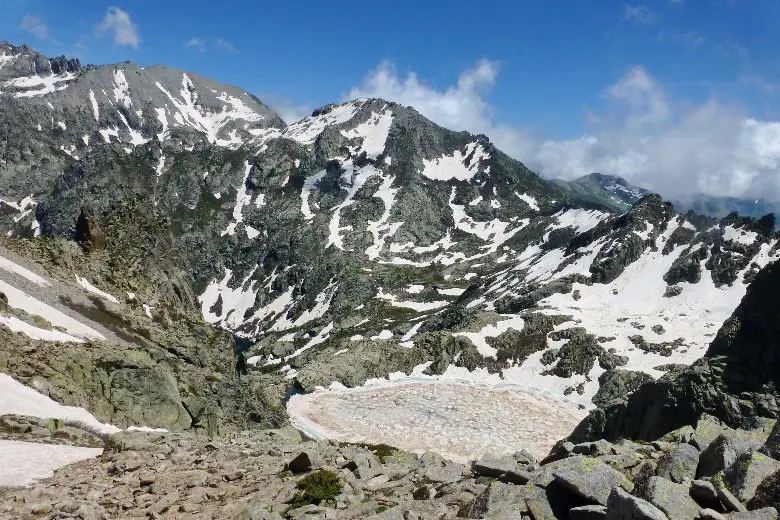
(209, 313)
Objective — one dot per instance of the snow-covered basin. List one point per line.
(460, 420)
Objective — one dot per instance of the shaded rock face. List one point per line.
(736, 381)
(88, 233)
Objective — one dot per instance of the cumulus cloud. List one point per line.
(459, 107)
(643, 134)
(640, 14)
(124, 30)
(35, 26)
(224, 45)
(196, 43)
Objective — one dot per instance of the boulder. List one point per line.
(591, 479)
(767, 493)
(625, 506)
(680, 464)
(772, 445)
(722, 452)
(704, 493)
(729, 501)
(539, 503)
(504, 467)
(745, 475)
(302, 463)
(671, 498)
(148, 396)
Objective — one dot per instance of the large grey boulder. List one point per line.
(625, 506)
(591, 479)
(746, 474)
(671, 498)
(722, 452)
(704, 492)
(729, 501)
(767, 493)
(503, 467)
(680, 464)
(710, 514)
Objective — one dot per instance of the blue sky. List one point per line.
(545, 79)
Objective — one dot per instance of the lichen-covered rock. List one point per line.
(723, 452)
(747, 472)
(622, 505)
(679, 465)
(591, 479)
(671, 498)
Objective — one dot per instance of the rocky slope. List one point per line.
(704, 472)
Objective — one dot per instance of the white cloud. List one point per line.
(224, 45)
(642, 134)
(196, 43)
(290, 113)
(122, 26)
(35, 26)
(202, 44)
(459, 107)
(640, 14)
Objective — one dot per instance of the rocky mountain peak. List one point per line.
(23, 61)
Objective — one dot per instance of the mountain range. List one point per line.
(171, 214)
(619, 195)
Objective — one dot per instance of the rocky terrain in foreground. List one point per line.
(707, 471)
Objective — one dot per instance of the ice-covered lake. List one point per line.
(461, 421)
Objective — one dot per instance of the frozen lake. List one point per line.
(460, 421)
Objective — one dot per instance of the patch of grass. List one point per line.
(268, 369)
(382, 451)
(316, 487)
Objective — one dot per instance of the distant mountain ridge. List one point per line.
(609, 191)
(719, 207)
(619, 195)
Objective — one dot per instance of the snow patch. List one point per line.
(308, 186)
(121, 90)
(461, 165)
(94, 290)
(373, 133)
(528, 200)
